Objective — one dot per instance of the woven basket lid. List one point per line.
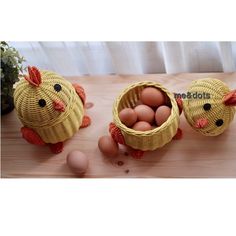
(205, 109)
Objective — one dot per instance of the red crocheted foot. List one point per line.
(31, 136)
(179, 134)
(86, 122)
(137, 154)
(116, 134)
(80, 91)
(56, 147)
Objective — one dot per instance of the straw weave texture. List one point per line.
(148, 140)
(52, 126)
(193, 108)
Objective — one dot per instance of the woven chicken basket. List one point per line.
(51, 125)
(217, 111)
(145, 140)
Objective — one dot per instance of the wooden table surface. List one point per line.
(192, 156)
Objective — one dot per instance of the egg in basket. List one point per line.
(155, 117)
(146, 115)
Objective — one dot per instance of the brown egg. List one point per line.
(142, 126)
(152, 97)
(128, 117)
(145, 113)
(162, 114)
(108, 146)
(77, 162)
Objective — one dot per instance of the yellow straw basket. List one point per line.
(145, 140)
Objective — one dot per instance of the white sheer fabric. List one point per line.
(94, 58)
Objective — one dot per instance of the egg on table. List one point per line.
(77, 161)
(108, 146)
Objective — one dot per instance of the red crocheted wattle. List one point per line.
(34, 77)
(116, 134)
(230, 99)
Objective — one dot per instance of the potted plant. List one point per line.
(10, 70)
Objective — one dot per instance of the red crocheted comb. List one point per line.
(230, 99)
(34, 77)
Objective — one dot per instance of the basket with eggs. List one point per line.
(145, 117)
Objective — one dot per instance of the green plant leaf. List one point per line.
(11, 66)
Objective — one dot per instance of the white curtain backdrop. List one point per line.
(99, 58)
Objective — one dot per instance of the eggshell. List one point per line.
(142, 126)
(162, 114)
(128, 117)
(144, 113)
(108, 146)
(152, 97)
(77, 161)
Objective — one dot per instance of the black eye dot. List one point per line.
(42, 103)
(207, 106)
(57, 87)
(219, 122)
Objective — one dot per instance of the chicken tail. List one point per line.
(230, 98)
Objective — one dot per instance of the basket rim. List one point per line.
(174, 109)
